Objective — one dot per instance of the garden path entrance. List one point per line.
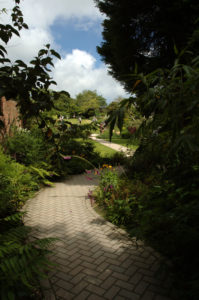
(94, 259)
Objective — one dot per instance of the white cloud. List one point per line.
(43, 13)
(28, 44)
(77, 72)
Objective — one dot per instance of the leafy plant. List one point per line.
(22, 262)
(16, 184)
(27, 146)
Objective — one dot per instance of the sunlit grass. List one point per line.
(104, 151)
(76, 121)
(117, 139)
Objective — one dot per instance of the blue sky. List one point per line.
(71, 36)
(73, 28)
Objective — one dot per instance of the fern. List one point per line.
(42, 174)
(21, 262)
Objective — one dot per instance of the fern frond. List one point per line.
(14, 217)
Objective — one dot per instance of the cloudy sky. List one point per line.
(73, 28)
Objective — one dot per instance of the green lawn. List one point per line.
(103, 150)
(117, 139)
(76, 121)
(124, 142)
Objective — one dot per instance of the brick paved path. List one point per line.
(95, 260)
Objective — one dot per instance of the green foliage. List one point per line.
(16, 184)
(140, 36)
(169, 155)
(64, 106)
(123, 114)
(89, 101)
(114, 195)
(28, 147)
(166, 163)
(29, 83)
(21, 262)
(78, 149)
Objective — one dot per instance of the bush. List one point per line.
(82, 156)
(27, 147)
(168, 216)
(115, 196)
(16, 184)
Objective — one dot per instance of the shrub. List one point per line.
(28, 147)
(16, 184)
(82, 157)
(114, 195)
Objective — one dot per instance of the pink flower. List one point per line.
(67, 157)
(88, 171)
(89, 178)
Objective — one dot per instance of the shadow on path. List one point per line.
(94, 259)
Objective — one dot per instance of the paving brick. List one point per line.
(129, 295)
(90, 272)
(82, 296)
(108, 282)
(95, 289)
(131, 270)
(113, 261)
(95, 297)
(148, 296)
(125, 285)
(76, 270)
(95, 260)
(141, 265)
(116, 268)
(136, 278)
(99, 260)
(102, 267)
(141, 287)
(88, 265)
(98, 254)
(93, 279)
(64, 294)
(120, 276)
(76, 279)
(112, 292)
(88, 259)
(63, 276)
(80, 286)
(64, 284)
(105, 274)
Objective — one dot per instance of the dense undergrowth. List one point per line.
(22, 262)
(157, 201)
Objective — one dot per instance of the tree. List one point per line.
(64, 105)
(89, 100)
(141, 36)
(27, 84)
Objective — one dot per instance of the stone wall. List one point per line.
(10, 114)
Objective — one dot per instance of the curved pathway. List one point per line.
(120, 148)
(94, 259)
